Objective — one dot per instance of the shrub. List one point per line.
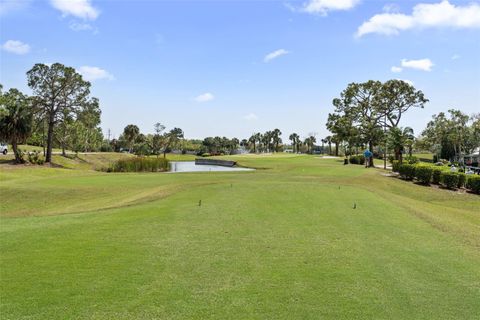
(407, 171)
(395, 165)
(359, 159)
(35, 158)
(436, 176)
(411, 159)
(391, 158)
(206, 154)
(473, 183)
(423, 174)
(139, 164)
(449, 179)
(462, 178)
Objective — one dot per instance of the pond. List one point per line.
(190, 166)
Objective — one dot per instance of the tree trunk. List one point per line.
(370, 146)
(336, 149)
(51, 123)
(15, 150)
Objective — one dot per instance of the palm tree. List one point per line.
(253, 140)
(276, 138)
(16, 118)
(131, 133)
(328, 139)
(295, 138)
(398, 138)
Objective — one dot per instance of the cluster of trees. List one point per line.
(368, 115)
(220, 145)
(59, 113)
(451, 136)
(160, 142)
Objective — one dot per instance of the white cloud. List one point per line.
(15, 46)
(324, 6)
(396, 69)
(455, 57)
(205, 97)
(94, 73)
(81, 26)
(424, 15)
(421, 64)
(251, 117)
(275, 54)
(78, 8)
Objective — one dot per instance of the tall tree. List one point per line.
(295, 138)
(16, 117)
(398, 138)
(171, 139)
(276, 140)
(130, 134)
(361, 102)
(58, 90)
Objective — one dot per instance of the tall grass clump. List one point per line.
(140, 164)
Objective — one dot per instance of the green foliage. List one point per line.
(436, 175)
(395, 165)
(407, 171)
(424, 174)
(462, 179)
(411, 160)
(140, 164)
(358, 159)
(35, 157)
(449, 179)
(473, 183)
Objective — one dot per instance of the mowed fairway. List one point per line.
(283, 242)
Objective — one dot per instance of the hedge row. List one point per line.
(430, 174)
(360, 159)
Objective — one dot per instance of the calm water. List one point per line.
(190, 166)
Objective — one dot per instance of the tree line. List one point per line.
(60, 112)
(368, 116)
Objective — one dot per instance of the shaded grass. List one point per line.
(283, 242)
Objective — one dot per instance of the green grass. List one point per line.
(282, 242)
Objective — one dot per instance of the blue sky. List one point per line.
(231, 68)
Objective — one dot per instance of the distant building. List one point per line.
(472, 159)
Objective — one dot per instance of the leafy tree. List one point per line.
(130, 134)
(157, 139)
(171, 139)
(15, 119)
(59, 91)
(397, 97)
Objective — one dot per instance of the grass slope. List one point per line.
(280, 243)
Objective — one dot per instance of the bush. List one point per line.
(462, 178)
(407, 171)
(449, 179)
(140, 164)
(436, 176)
(395, 165)
(473, 183)
(423, 174)
(206, 154)
(359, 159)
(411, 159)
(35, 158)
